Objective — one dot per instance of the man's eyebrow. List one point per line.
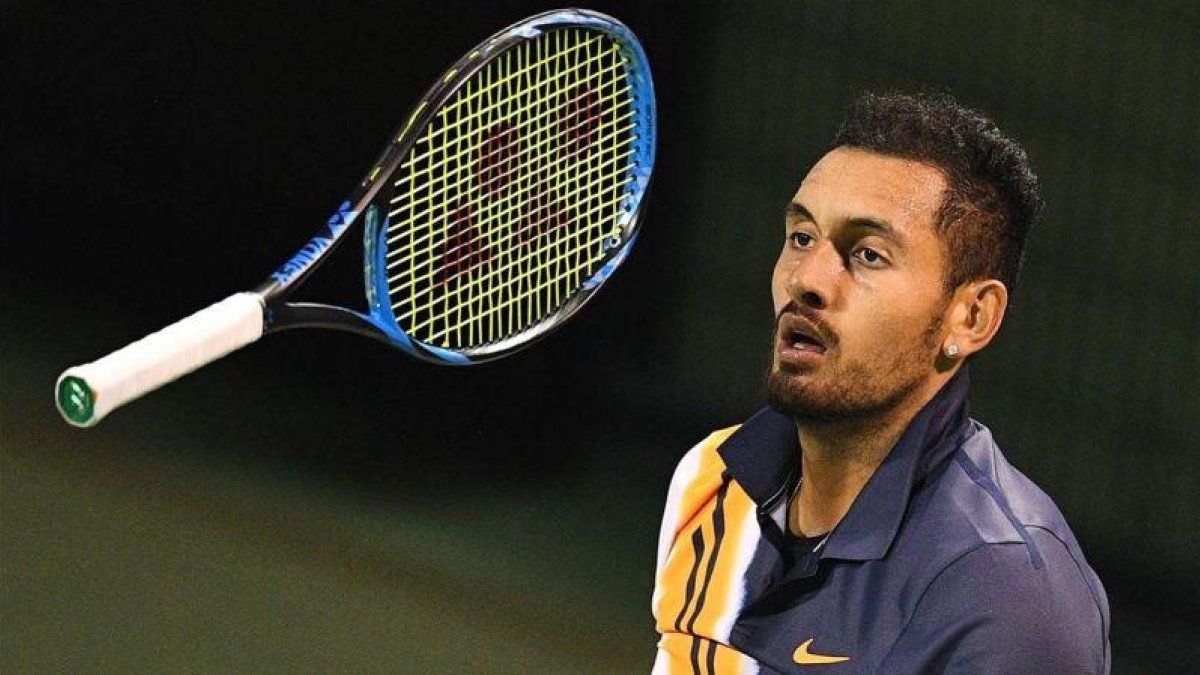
(882, 227)
(796, 211)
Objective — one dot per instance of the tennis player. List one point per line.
(863, 522)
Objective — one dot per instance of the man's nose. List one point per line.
(813, 279)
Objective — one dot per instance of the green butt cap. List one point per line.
(76, 400)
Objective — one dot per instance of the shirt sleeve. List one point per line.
(994, 611)
(696, 479)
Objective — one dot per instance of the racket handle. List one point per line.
(85, 394)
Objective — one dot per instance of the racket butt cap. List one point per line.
(76, 400)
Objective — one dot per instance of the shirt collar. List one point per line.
(763, 456)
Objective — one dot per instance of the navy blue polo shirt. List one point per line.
(949, 560)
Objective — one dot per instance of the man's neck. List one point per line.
(840, 457)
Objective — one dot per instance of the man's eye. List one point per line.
(801, 239)
(871, 257)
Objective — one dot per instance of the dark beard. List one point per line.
(854, 390)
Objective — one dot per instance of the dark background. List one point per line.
(320, 502)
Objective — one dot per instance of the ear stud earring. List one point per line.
(951, 350)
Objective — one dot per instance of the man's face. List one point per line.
(857, 288)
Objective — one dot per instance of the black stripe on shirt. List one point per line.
(718, 537)
(696, 656)
(698, 551)
(712, 657)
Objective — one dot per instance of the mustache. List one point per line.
(824, 332)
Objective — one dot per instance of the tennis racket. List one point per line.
(502, 203)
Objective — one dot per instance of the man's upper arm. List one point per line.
(992, 611)
(696, 479)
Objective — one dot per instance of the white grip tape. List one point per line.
(172, 352)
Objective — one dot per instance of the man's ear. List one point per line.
(973, 317)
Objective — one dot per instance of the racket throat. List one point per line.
(293, 272)
(284, 316)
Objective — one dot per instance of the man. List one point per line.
(863, 523)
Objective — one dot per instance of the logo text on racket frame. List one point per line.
(316, 246)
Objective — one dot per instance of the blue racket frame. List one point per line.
(379, 321)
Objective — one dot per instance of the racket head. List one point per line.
(513, 190)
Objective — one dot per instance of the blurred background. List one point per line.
(318, 502)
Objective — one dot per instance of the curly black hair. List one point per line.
(992, 198)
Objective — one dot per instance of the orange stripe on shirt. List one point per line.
(674, 650)
(723, 599)
(699, 494)
(692, 509)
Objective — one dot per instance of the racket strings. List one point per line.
(502, 153)
(541, 303)
(475, 116)
(512, 195)
(537, 260)
(604, 173)
(497, 153)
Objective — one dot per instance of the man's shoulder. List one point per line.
(980, 498)
(981, 513)
(991, 549)
(698, 475)
(695, 489)
(699, 472)
(983, 462)
(706, 450)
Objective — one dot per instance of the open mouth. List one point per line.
(798, 336)
(804, 342)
